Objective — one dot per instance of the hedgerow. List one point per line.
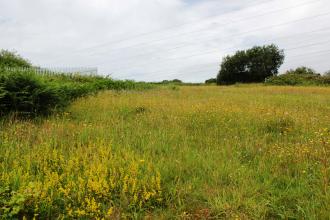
(27, 93)
(298, 79)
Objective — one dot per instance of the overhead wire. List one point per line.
(224, 25)
(299, 55)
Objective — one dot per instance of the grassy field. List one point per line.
(197, 152)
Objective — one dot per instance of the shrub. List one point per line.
(11, 59)
(253, 65)
(209, 81)
(174, 81)
(298, 79)
(27, 93)
(302, 71)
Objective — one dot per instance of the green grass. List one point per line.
(238, 152)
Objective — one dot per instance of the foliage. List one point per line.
(234, 152)
(90, 183)
(12, 59)
(302, 71)
(252, 65)
(174, 81)
(210, 81)
(327, 73)
(27, 93)
(298, 79)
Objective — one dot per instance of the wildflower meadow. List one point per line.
(193, 152)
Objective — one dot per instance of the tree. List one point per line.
(302, 71)
(209, 81)
(252, 65)
(175, 81)
(327, 73)
(12, 59)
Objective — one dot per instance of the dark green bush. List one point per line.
(250, 66)
(27, 93)
(174, 81)
(210, 81)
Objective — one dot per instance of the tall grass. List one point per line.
(239, 152)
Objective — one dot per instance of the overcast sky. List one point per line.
(154, 40)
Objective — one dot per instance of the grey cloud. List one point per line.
(156, 39)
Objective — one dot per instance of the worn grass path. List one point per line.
(238, 152)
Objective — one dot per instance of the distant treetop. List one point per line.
(209, 81)
(171, 81)
(302, 71)
(252, 65)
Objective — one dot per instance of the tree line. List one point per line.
(261, 64)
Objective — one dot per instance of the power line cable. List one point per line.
(234, 49)
(243, 33)
(229, 23)
(216, 50)
(311, 53)
(224, 25)
(169, 28)
(300, 60)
